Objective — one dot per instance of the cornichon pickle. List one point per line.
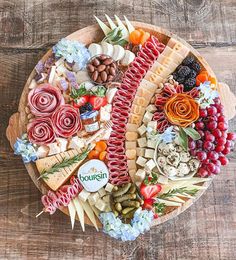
(127, 210)
(118, 207)
(122, 190)
(131, 203)
(125, 197)
(130, 214)
(132, 188)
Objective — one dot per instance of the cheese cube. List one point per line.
(107, 198)
(131, 164)
(142, 129)
(131, 136)
(130, 145)
(140, 101)
(152, 124)
(104, 115)
(131, 154)
(149, 153)
(151, 144)
(141, 161)
(151, 108)
(140, 151)
(163, 179)
(102, 192)
(132, 174)
(83, 195)
(140, 175)
(148, 85)
(52, 74)
(54, 148)
(109, 187)
(135, 119)
(100, 204)
(142, 142)
(77, 143)
(147, 117)
(138, 110)
(153, 78)
(93, 197)
(131, 127)
(62, 143)
(150, 165)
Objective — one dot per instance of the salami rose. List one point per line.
(44, 99)
(40, 131)
(66, 121)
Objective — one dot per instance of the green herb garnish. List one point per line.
(184, 133)
(115, 36)
(81, 91)
(66, 162)
(159, 208)
(176, 192)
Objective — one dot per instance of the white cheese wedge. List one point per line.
(142, 129)
(72, 213)
(107, 198)
(151, 108)
(129, 26)
(150, 165)
(140, 151)
(118, 52)
(131, 154)
(107, 49)
(110, 94)
(102, 192)
(142, 142)
(141, 161)
(125, 32)
(111, 23)
(95, 49)
(52, 74)
(147, 117)
(130, 145)
(32, 84)
(109, 187)
(104, 115)
(131, 136)
(149, 153)
(100, 204)
(95, 210)
(83, 195)
(128, 58)
(131, 164)
(93, 197)
(80, 212)
(140, 175)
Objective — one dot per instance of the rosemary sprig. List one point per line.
(174, 192)
(159, 208)
(64, 163)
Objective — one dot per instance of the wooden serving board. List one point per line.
(18, 121)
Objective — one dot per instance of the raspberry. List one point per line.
(188, 60)
(184, 71)
(196, 66)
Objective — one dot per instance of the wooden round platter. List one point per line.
(87, 35)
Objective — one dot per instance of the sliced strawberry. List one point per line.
(148, 204)
(80, 101)
(149, 190)
(97, 102)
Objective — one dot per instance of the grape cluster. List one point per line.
(215, 142)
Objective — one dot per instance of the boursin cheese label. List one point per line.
(93, 175)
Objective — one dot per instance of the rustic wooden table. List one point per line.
(28, 29)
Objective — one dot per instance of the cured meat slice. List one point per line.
(131, 76)
(126, 94)
(121, 112)
(160, 46)
(142, 62)
(124, 105)
(115, 143)
(150, 46)
(130, 89)
(115, 117)
(117, 136)
(137, 66)
(159, 116)
(117, 150)
(150, 55)
(119, 180)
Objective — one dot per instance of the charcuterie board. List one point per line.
(123, 66)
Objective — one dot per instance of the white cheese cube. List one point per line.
(140, 175)
(163, 179)
(140, 151)
(132, 174)
(150, 165)
(151, 108)
(106, 134)
(100, 204)
(142, 142)
(83, 195)
(130, 145)
(102, 192)
(110, 94)
(149, 153)
(141, 161)
(104, 115)
(152, 124)
(142, 129)
(59, 62)
(54, 148)
(151, 144)
(62, 142)
(131, 136)
(77, 143)
(131, 154)
(61, 70)
(131, 164)
(109, 187)
(32, 84)
(147, 117)
(93, 197)
(131, 127)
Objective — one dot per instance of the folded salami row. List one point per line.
(121, 106)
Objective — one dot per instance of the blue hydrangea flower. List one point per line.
(26, 149)
(114, 227)
(72, 52)
(169, 135)
(207, 94)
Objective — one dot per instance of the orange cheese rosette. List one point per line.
(181, 110)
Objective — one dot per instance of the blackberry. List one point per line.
(196, 66)
(192, 74)
(183, 71)
(180, 80)
(86, 107)
(190, 83)
(175, 75)
(188, 60)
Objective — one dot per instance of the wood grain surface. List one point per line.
(207, 230)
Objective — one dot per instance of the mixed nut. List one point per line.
(102, 69)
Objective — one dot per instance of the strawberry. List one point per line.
(149, 190)
(80, 101)
(148, 204)
(97, 102)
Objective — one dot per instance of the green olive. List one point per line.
(125, 197)
(131, 203)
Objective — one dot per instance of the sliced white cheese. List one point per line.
(100, 204)
(32, 84)
(109, 187)
(142, 129)
(142, 142)
(52, 74)
(131, 164)
(149, 153)
(147, 117)
(111, 23)
(83, 195)
(152, 124)
(151, 108)
(110, 94)
(132, 174)
(42, 151)
(103, 26)
(93, 197)
(62, 143)
(141, 161)
(102, 192)
(95, 49)
(54, 148)
(72, 213)
(118, 52)
(104, 115)
(95, 210)
(129, 26)
(80, 212)
(128, 58)
(131, 136)
(131, 154)
(77, 143)
(150, 165)
(107, 49)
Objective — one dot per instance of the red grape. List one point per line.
(199, 143)
(222, 126)
(217, 170)
(226, 150)
(216, 162)
(199, 125)
(191, 145)
(209, 137)
(217, 133)
(221, 141)
(228, 144)
(202, 172)
(219, 148)
(203, 113)
(210, 167)
(223, 160)
(201, 155)
(212, 125)
(221, 118)
(207, 145)
(231, 136)
(211, 110)
(212, 155)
